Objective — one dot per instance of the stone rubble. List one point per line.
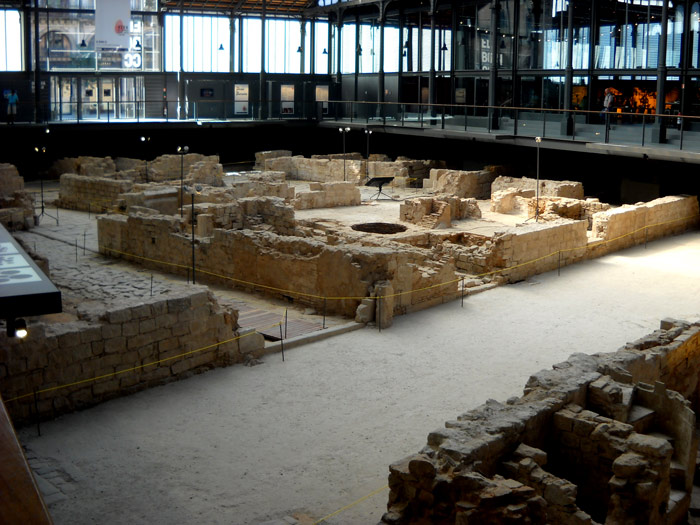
(607, 438)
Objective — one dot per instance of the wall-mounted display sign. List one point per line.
(461, 96)
(112, 19)
(322, 96)
(287, 99)
(240, 99)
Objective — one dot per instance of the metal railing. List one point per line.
(626, 128)
(618, 127)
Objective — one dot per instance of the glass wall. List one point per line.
(10, 37)
(205, 40)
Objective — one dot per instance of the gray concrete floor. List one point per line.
(317, 432)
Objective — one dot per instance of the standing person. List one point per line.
(12, 106)
(607, 102)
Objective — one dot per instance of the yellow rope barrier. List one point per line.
(83, 381)
(346, 507)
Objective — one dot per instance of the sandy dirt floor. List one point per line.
(310, 435)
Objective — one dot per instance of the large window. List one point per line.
(283, 46)
(252, 32)
(10, 37)
(205, 43)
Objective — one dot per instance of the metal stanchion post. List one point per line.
(559, 264)
(462, 292)
(281, 342)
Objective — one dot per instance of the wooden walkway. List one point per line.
(268, 323)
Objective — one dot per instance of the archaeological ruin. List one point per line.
(608, 438)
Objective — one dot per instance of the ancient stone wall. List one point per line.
(304, 270)
(553, 188)
(88, 166)
(476, 184)
(438, 212)
(328, 195)
(599, 438)
(324, 169)
(534, 242)
(16, 205)
(262, 156)
(79, 192)
(10, 180)
(539, 247)
(114, 339)
(630, 225)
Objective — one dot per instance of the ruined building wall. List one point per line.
(476, 184)
(626, 226)
(279, 264)
(16, 205)
(534, 248)
(598, 438)
(78, 192)
(534, 242)
(328, 195)
(116, 338)
(553, 188)
(318, 169)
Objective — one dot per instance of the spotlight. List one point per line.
(17, 328)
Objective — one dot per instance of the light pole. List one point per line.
(197, 189)
(343, 131)
(537, 188)
(145, 141)
(182, 150)
(368, 132)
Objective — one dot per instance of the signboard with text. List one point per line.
(112, 18)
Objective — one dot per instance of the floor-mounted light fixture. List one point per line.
(182, 150)
(17, 328)
(343, 132)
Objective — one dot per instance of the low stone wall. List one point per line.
(304, 270)
(553, 188)
(79, 192)
(262, 156)
(476, 184)
(328, 195)
(324, 169)
(535, 242)
(630, 225)
(602, 438)
(351, 167)
(533, 248)
(114, 339)
(438, 212)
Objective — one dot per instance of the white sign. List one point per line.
(240, 96)
(112, 19)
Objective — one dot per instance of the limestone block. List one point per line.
(384, 315)
(365, 311)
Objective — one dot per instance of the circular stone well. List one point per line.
(386, 228)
